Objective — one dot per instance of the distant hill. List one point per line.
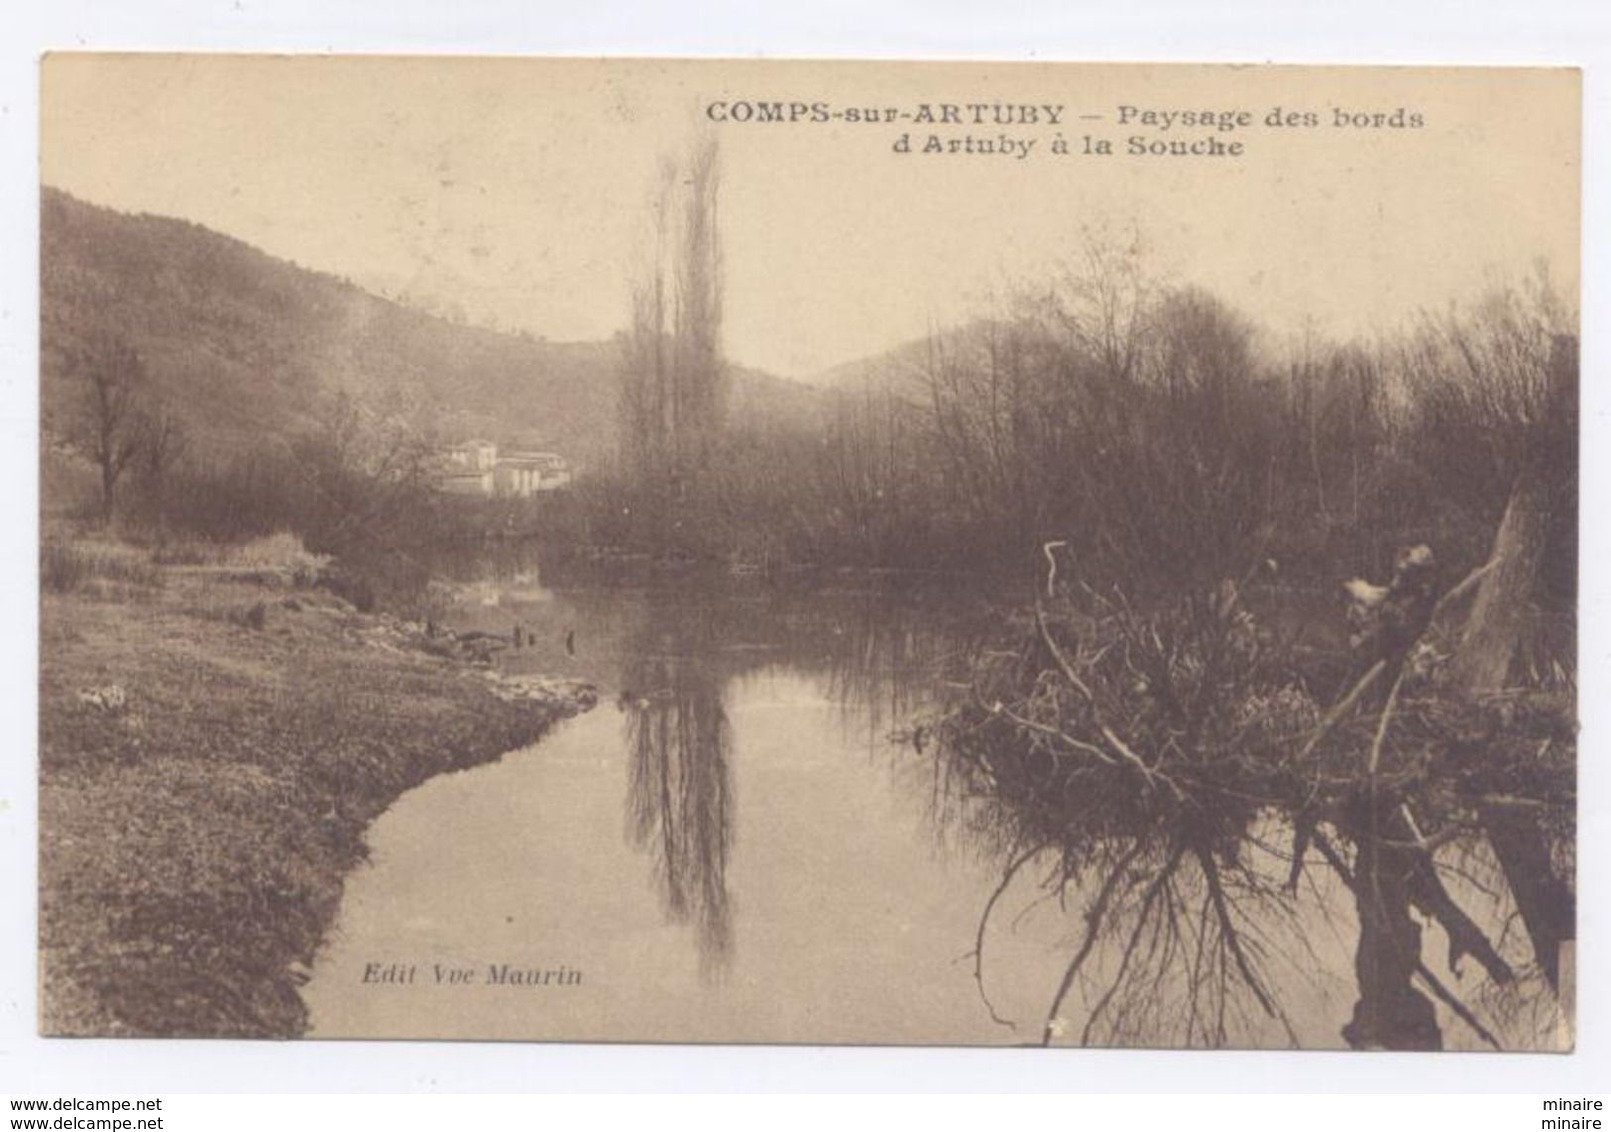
(247, 347)
(900, 369)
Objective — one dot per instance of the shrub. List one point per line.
(66, 567)
(182, 554)
(282, 555)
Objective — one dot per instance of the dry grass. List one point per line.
(194, 835)
(108, 569)
(278, 557)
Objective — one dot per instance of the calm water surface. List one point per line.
(744, 843)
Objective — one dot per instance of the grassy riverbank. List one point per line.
(214, 739)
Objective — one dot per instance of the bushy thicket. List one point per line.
(1154, 430)
(360, 489)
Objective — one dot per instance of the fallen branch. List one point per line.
(1062, 660)
(1342, 707)
(1381, 728)
(1147, 772)
(1466, 584)
(998, 708)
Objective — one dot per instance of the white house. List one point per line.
(472, 456)
(463, 482)
(524, 473)
(475, 468)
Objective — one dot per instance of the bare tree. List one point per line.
(113, 428)
(674, 379)
(700, 386)
(163, 443)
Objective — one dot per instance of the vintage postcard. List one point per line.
(808, 552)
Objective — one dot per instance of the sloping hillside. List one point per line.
(247, 347)
(901, 369)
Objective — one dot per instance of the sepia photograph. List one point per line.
(894, 553)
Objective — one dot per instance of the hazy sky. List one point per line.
(515, 190)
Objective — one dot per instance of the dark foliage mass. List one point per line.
(1156, 432)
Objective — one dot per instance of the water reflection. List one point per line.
(1218, 913)
(679, 792)
(877, 659)
(1182, 932)
(680, 784)
(1199, 933)
(1232, 917)
(798, 826)
(1240, 915)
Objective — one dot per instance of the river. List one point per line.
(754, 839)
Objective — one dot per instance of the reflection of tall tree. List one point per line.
(680, 797)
